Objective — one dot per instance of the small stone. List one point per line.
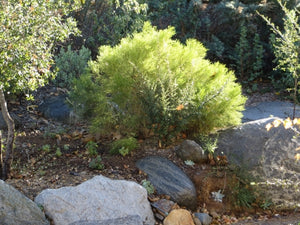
(214, 214)
(204, 218)
(163, 205)
(179, 217)
(197, 221)
(190, 150)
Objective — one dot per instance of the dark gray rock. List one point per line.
(190, 150)
(204, 218)
(267, 155)
(169, 179)
(17, 209)
(17, 120)
(128, 220)
(55, 107)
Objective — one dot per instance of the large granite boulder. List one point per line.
(98, 201)
(17, 209)
(269, 156)
(169, 179)
(128, 220)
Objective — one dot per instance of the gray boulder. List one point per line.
(17, 209)
(169, 179)
(97, 201)
(190, 150)
(55, 107)
(269, 156)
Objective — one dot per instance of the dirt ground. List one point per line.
(50, 154)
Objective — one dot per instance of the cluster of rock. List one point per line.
(103, 201)
(268, 155)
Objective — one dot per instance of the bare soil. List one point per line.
(38, 166)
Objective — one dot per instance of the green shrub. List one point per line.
(151, 83)
(70, 64)
(84, 96)
(248, 57)
(123, 146)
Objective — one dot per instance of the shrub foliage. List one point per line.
(150, 83)
(70, 65)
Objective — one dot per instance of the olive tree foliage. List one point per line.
(286, 44)
(29, 30)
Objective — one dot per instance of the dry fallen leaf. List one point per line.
(269, 126)
(297, 156)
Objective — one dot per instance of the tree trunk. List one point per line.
(1, 154)
(10, 137)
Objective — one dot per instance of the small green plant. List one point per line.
(96, 163)
(124, 151)
(66, 147)
(243, 189)
(123, 146)
(148, 186)
(58, 152)
(52, 133)
(266, 204)
(91, 147)
(42, 172)
(46, 148)
(208, 144)
(244, 196)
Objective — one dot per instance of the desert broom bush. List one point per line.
(152, 84)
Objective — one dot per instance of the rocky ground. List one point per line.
(49, 154)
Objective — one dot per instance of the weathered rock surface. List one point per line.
(97, 201)
(179, 217)
(128, 220)
(55, 107)
(269, 156)
(162, 208)
(190, 150)
(203, 218)
(169, 179)
(16, 209)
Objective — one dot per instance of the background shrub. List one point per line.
(106, 22)
(151, 83)
(70, 64)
